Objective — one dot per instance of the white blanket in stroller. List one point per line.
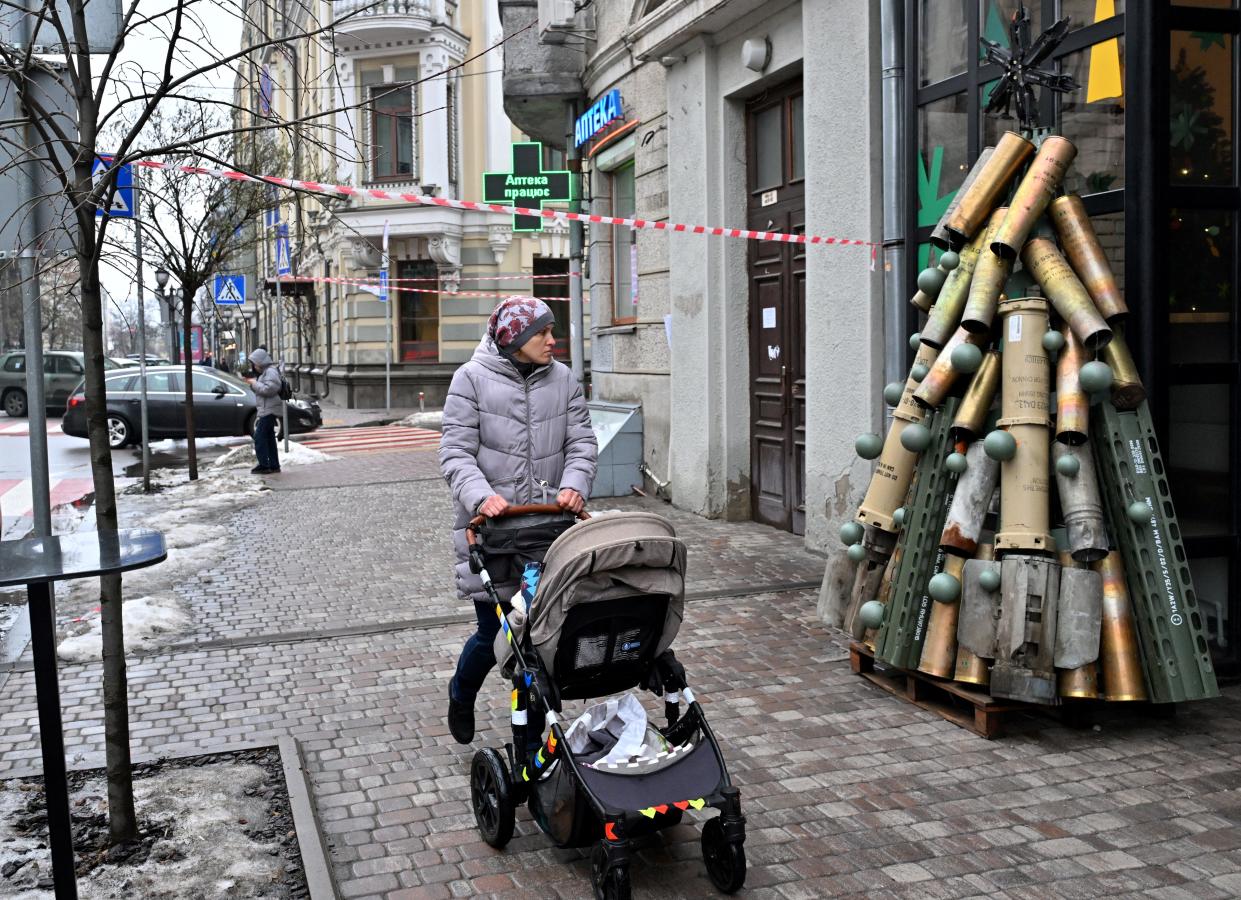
(620, 725)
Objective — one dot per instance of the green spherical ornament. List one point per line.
(892, 393)
(956, 462)
(915, 341)
(944, 588)
(1138, 512)
(1095, 377)
(856, 553)
(868, 446)
(989, 580)
(898, 517)
(930, 281)
(871, 614)
(966, 358)
(949, 260)
(1053, 341)
(1068, 466)
(918, 372)
(916, 437)
(851, 533)
(1000, 446)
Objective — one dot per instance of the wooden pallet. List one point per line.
(960, 704)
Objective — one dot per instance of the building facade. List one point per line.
(403, 97)
(853, 120)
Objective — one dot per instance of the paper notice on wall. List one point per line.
(769, 317)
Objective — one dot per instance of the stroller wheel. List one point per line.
(725, 861)
(609, 883)
(492, 797)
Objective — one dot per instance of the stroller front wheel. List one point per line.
(725, 861)
(491, 795)
(610, 883)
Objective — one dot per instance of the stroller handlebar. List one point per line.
(530, 509)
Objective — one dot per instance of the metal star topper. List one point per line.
(1021, 71)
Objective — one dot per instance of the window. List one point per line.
(66, 365)
(205, 384)
(554, 159)
(165, 383)
(392, 132)
(15, 363)
(123, 384)
(419, 310)
(552, 284)
(624, 248)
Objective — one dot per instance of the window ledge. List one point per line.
(631, 328)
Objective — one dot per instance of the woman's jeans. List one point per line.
(477, 659)
(265, 443)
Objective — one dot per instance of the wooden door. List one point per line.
(777, 288)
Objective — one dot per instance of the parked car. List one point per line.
(123, 362)
(151, 360)
(223, 406)
(62, 370)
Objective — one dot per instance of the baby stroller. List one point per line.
(608, 605)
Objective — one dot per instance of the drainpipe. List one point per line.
(895, 305)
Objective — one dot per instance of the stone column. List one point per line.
(432, 127)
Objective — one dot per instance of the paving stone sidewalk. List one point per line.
(848, 791)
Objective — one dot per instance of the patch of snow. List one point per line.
(432, 418)
(147, 621)
(207, 853)
(243, 457)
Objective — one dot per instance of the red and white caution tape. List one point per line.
(375, 286)
(378, 194)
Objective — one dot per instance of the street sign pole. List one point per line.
(383, 287)
(281, 269)
(142, 349)
(577, 321)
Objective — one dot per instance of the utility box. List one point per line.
(618, 429)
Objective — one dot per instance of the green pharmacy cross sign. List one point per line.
(527, 185)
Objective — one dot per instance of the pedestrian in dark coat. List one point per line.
(516, 430)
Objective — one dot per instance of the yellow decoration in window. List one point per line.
(1106, 79)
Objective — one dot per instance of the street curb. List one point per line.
(316, 863)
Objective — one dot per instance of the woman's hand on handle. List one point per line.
(570, 500)
(495, 505)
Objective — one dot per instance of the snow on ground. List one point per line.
(433, 418)
(205, 854)
(148, 621)
(243, 457)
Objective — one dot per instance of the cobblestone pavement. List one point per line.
(848, 791)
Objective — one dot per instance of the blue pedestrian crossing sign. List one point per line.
(123, 199)
(230, 290)
(383, 285)
(283, 266)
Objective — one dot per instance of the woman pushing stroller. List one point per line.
(516, 431)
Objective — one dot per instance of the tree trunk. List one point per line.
(122, 822)
(189, 383)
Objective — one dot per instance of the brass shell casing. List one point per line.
(990, 275)
(970, 668)
(909, 409)
(885, 591)
(946, 313)
(971, 416)
(1033, 194)
(1127, 389)
(943, 375)
(1025, 382)
(1072, 402)
(889, 483)
(1081, 683)
(1118, 645)
(992, 182)
(940, 237)
(1081, 245)
(939, 647)
(921, 301)
(1066, 292)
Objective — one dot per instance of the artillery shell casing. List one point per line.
(1081, 683)
(970, 502)
(992, 182)
(1118, 646)
(922, 301)
(976, 404)
(1066, 292)
(1081, 504)
(909, 409)
(939, 647)
(885, 591)
(946, 313)
(1127, 389)
(990, 274)
(942, 375)
(889, 483)
(1025, 382)
(940, 237)
(1033, 194)
(1025, 495)
(972, 668)
(878, 545)
(1085, 253)
(1072, 402)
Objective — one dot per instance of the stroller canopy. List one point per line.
(607, 558)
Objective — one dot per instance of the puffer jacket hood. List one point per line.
(525, 439)
(260, 358)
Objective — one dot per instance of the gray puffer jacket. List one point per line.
(525, 440)
(267, 386)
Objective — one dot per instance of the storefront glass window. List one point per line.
(943, 37)
(1213, 4)
(1198, 457)
(1087, 12)
(625, 248)
(1201, 291)
(1201, 108)
(1210, 575)
(1094, 117)
(997, 15)
(943, 158)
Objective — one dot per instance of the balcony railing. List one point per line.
(367, 8)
